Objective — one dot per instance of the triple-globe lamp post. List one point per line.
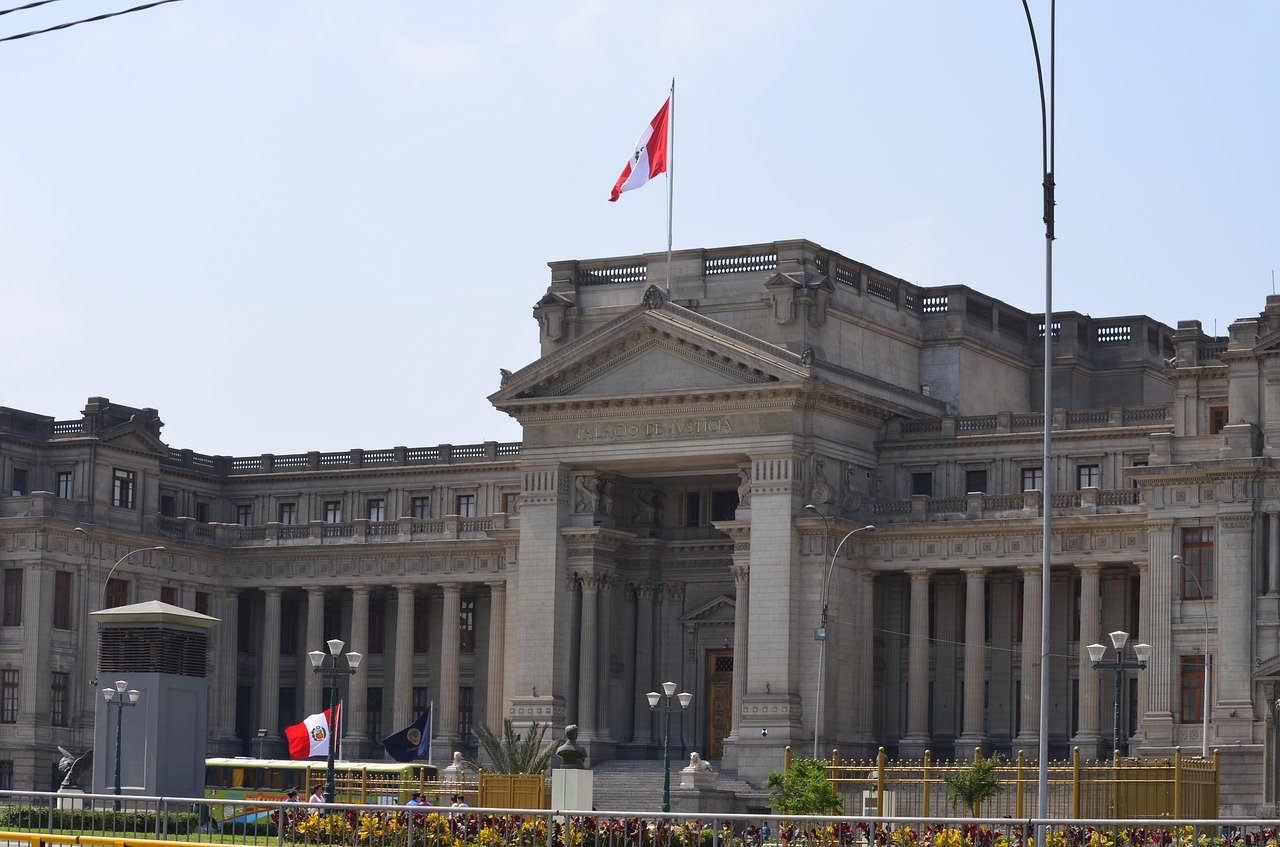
(327, 664)
(667, 708)
(1141, 655)
(119, 697)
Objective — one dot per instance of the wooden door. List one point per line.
(719, 701)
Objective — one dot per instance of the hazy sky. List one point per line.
(297, 225)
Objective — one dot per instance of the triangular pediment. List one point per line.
(654, 348)
(719, 610)
(133, 435)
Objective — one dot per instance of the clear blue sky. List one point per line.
(298, 225)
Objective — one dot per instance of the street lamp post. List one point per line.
(820, 633)
(119, 698)
(102, 599)
(668, 709)
(1142, 655)
(334, 672)
(1204, 708)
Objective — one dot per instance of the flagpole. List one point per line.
(671, 173)
(431, 717)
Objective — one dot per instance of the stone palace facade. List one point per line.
(652, 525)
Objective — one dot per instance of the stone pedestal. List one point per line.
(70, 798)
(571, 790)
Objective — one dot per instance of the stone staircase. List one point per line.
(636, 786)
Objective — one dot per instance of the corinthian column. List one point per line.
(645, 594)
(1089, 733)
(495, 702)
(359, 692)
(741, 605)
(228, 664)
(402, 698)
(269, 670)
(450, 647)
(589, 648)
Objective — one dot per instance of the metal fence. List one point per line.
(38, 819)
(1176, 787)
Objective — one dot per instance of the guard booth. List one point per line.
(160, 651)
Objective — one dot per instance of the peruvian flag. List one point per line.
(650, 156)
(311, 737)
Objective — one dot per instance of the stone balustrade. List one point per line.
(1029, 504)
(1004, 422)
(360, 531)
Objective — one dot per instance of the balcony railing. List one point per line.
(267, 463)
(949, 427)
(1087, 501)
(449, 528)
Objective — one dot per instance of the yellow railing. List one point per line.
(1177, 787)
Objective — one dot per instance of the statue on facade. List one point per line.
(588, 501)
(744, 488)
(572, 755)
(648, 508)
(72, 767)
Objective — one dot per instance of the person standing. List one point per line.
(317, 794)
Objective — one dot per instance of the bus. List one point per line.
(245, 780)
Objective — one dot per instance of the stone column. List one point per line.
(1233, 659)
(227, 657)
(916, 740)
(402, 696)
(645, 680)
(36, 675)
(1028, 740)
(1156, 629)
(741, 603)
(269, 669)
(588, 650)
(358, 719)
(606, 613)
(450, 647)
(1089, 733)
(1273, 554)
(625, 730)
(975, 662)
(865, 663)
(495, 706)
(313, 699)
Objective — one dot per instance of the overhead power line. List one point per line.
(93, 19)
(28, 6)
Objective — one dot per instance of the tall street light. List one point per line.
(820, 633)
(331, 669)
(1204, 708)
(667, 708)
(102, 599)
(1142, 655)
(119, 698)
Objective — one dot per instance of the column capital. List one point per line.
(1089, 567)
(451, 588)
(975, 574)
(497, 587)
(405, 588)
(741, 574)
(646, 590)
(358, 590)
(1031, 570)
(919, 574)
(316, 590)
(273, 590)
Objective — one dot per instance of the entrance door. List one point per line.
(719, 701)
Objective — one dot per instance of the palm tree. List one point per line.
(976, 783)
(513, 752)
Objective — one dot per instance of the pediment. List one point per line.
(719, 610)
(1270, 669)
(133, 435)
(654, 348)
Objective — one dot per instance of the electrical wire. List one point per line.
(28, 6)
(93, 19)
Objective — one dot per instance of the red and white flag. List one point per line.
(311, 737)
(650, 156)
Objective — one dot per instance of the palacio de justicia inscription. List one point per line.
(651, 525)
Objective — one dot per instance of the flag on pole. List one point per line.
(412, 742)
(311, 737)
(650, 156)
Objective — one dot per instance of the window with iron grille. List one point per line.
(1217, 419)
(1191, 688)
(122, 488)
(373, 704)
(13, 597)
(62, 600)
(421, 633)
(466, 697)
(9, 696)
(467, 623)
(1197, 556)
(202, 512)
(922, 484)
(116, 594)
(168, 506)
(58, 698)
(420, 508)
(63, 487)
(509, 501)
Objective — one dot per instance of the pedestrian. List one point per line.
(416, 799)
(317, 793)
(458, 802)
(764, 832)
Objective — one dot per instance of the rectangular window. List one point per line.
(466, 699)
(421, 632)
(975, 482)
(64, 485)
(724, 505)
(202, 512)
(244, 514)
(1217, 419)
(922, 484)
(168, 506)
(376, 510)
(116, 593)
(59, 697)
(467, 624)
(1191, 686)
(6, 775)
(1197, 558)
(12, 597)
(421, 699)
(287, 513)
(693, 508)
(1033, 479)
(21, 486)
(9, 696)
(123, 484)
(377, 627)
(62, 600)
(333, 511)
(466, 505)
(509, 501)
(373, 704)
(202, 603)
(169, 594)
(420, 508)
(1088, 476)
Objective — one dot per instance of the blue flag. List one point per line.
(412, 742)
